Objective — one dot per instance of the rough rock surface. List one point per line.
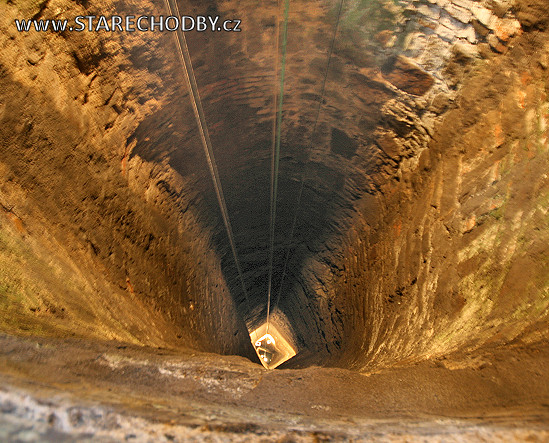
(134, 393)
(423, 228)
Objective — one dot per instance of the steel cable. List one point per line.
(303, 173)
(186, 62)
(275, 157)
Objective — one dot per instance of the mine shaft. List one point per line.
(281, 221)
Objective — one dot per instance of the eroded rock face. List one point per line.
(423, 223)
(465, 252)
(98, 246)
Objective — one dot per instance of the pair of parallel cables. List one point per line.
(186, 63)
(276, 157)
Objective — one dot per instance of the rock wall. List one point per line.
(450, 210)
(423, 222)
(458, 256)
(102, 246)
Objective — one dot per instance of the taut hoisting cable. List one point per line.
(303, 173)
(276, 151)
(186, 62)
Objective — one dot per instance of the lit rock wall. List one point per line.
(94, 244)
(422, 224)
(457, 257)
(466, 93)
